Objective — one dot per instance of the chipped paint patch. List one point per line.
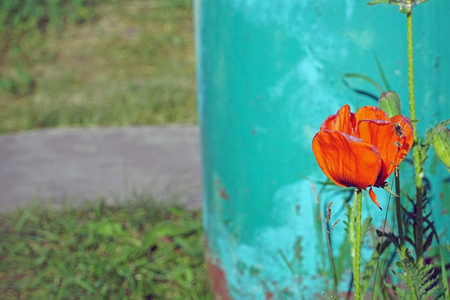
(218, 281)
(269, 295)
(217, 277)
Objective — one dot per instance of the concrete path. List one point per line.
(78, 165)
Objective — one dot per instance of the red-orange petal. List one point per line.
(385, 137)
(343, 121)
(370, 113)
(374, 198)
(381, 135)
(407, 140)
(346, 160)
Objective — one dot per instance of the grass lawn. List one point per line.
(100, 63)
(138, 250)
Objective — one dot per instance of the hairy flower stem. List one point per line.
(355, 238)
(418, 167)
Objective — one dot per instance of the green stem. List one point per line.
(355, 238)
(398, 208)
(333, 273)
(379, 248)
(418, 167)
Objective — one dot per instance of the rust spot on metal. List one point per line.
(223, 194)
(220, 189)
(269, 295)
(218, 281)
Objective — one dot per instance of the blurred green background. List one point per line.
(96, 63)
(99, 63)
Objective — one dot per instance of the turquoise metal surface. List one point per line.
(269, 73)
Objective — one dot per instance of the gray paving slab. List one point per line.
(78, 165)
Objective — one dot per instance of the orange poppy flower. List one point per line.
(362, 149)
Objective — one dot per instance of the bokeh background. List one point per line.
(96, 63)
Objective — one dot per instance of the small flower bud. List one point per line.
(440, 138)
(405, 8)
(389, 102)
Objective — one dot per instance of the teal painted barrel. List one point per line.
(269, 73)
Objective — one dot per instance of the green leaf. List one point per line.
(369, 270)
(387, 188)
(375, 2)
(365, 226)
(420, 1)
(401, 294)
(366, 78)
(383, 76)
(420, 279)
(428, 241)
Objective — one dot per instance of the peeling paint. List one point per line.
(269, 295)
(218, 281)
